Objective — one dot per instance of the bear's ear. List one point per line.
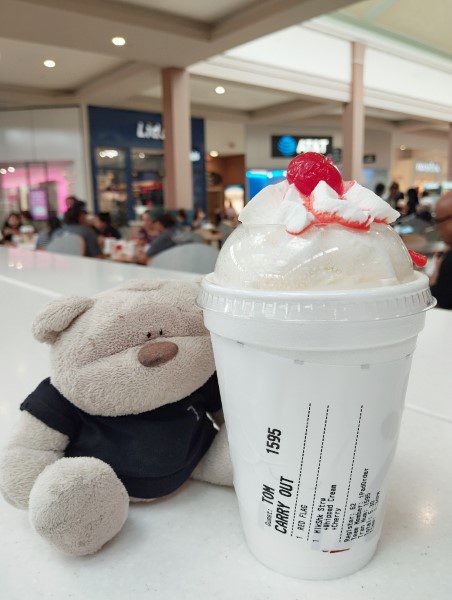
(57, 316)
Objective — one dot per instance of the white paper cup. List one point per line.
(109, 245)
(313, 387)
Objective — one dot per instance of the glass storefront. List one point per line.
(37, 187)
(128, 162)
(147, 178)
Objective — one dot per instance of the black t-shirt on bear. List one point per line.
(153, 453)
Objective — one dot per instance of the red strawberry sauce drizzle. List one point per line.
(305, 171)
(418, 259)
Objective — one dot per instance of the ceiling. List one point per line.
(162, 33)
(207, 11)
(22, 64)
(237, 96)
(159, 34)
(423, 23)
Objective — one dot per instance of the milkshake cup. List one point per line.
(313, 387)
(313, 383)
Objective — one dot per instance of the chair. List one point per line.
(193, 258)
(67, 243)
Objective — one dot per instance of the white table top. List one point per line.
(58, 274)
(191, 545)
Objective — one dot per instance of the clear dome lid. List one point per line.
(325, 257)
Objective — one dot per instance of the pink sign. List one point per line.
(39, 207)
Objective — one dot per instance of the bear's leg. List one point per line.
(78, 504)
(215, 466)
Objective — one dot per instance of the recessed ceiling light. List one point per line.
(49, 63)
(220, 89)
(402, 147)
(141, 155)
(213, 153)
(108, 153)
(11, 169)
(118, 41)
(3, 171)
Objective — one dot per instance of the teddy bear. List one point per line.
(129, 412)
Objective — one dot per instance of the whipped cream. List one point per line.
(282, 204)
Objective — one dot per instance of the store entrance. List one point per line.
(147, 179)
(128, 181)
(37, 188)
(111, 182)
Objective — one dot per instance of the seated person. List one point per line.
(11, 227)
(52, 225)
(74, 201)
(165, 238)
(200, 219)
(147, 231)
(103, 227)
(380, 189)
(412, 222)
(182, 218)
(424, 209)
(27, 221)
(230, 213)
(76, 222)
(441, 279)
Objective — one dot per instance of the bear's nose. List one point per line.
(157, 353)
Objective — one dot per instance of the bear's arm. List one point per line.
(215, 466)
(32, 447)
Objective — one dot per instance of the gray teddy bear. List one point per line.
(128, 413)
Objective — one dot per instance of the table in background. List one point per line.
(191, 546)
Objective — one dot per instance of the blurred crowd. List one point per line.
(157, 231)
(416, 210)
(424, 223)
(420, 222)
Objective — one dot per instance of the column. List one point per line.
(449, 154)
(178, 183)
(353, 118)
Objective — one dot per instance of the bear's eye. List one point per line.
(161, 332)
(149, 334)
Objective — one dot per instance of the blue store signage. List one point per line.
(127, 129)
(291, 145)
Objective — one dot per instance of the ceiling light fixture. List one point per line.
(142, 155)
(3, 171)
(108, 153)
(220, 90)
(11, 169)
(118, 41)
(213, 153)
(49, 63)
(402, 147)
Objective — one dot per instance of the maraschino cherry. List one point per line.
(307, 169)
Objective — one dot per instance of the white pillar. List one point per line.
(178, 184)
(353, 118)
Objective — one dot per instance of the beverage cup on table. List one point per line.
(109, 245)
(313, 365)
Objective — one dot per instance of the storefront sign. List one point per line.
(148, 130)
(427, 167)
(291, 145)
